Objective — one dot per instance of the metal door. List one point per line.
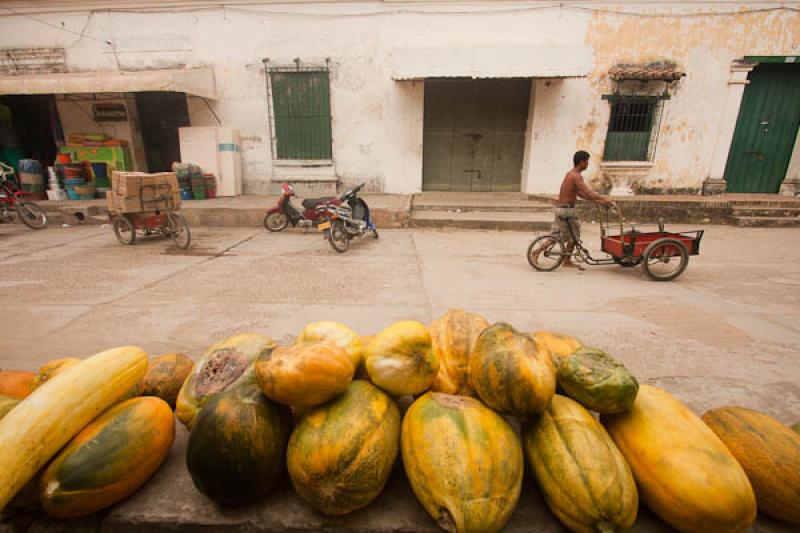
(765, 130)
(474, 134)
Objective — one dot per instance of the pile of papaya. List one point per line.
(337, 410)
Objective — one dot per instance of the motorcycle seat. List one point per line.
(311, 203)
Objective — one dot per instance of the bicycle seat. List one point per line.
(311, 203)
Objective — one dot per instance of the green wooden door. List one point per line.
(765, 130)
(474, 134)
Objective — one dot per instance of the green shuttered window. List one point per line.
(632, 128)
(302, 113)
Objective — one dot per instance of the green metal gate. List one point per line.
(474, 134)
(765, 130)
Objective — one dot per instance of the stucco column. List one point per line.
(715, 182)
(791, 185)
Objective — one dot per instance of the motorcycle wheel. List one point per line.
(338, 237)
(31, 215)
(276, 222)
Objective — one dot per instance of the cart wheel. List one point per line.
(339, 239)
(124, 230)
(276, 222)
(31, 215)
(627, 262)
(546, 253)
(179, 230)
(665, 259)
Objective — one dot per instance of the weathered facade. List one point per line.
(420, 95)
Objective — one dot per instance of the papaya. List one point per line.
(400, 359)
(336, 334)
(305, 374)
(51, 369)
(6, 404)
(558, 344)
(584, 478)
(684, 472)
(165, 377)
(769, 452)
(341, 453)
(511, 372)
(225, 366)
(236, 446)
(17, 384)
(464, 462)
(109, 459)
(597, 381)
(453, 337)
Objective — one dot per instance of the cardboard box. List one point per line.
(138, 192)
(135, 183)
(124, 204)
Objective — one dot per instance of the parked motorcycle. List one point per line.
(348, 219)
(14, 202)
(284, 213)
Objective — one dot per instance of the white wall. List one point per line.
(377, 122)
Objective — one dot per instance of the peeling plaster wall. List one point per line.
(377, 122)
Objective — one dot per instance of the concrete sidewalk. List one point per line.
(510, 211)
(388, 210)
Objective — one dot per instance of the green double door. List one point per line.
(766, 130)
(474, 134)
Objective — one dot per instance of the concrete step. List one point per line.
(523, 206)
(756, 211)
(465, 201)
(494, 220)
(767, 222)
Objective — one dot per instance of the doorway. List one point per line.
(474, 134)
(160, 116)
(766, 130)
(29, 128)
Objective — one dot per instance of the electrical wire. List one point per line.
(59, 28)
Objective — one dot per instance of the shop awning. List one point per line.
(197, 81)
(491, 62)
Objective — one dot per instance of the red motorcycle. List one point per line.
(284, 213)
(13, 202)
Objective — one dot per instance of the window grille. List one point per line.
(301, 112)
(633, 128)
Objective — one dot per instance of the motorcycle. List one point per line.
(348, 219)
(284, 213)
(14, 202)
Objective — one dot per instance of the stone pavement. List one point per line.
(726, 332)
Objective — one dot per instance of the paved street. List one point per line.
(726, 332)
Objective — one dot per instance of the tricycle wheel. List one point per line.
(627, 262)
(179, 230)
(665, 259)
(124, 230)
(546, 253)
(276, 221)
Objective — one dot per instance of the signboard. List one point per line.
(110, 112)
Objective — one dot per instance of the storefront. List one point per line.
(125, 120)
